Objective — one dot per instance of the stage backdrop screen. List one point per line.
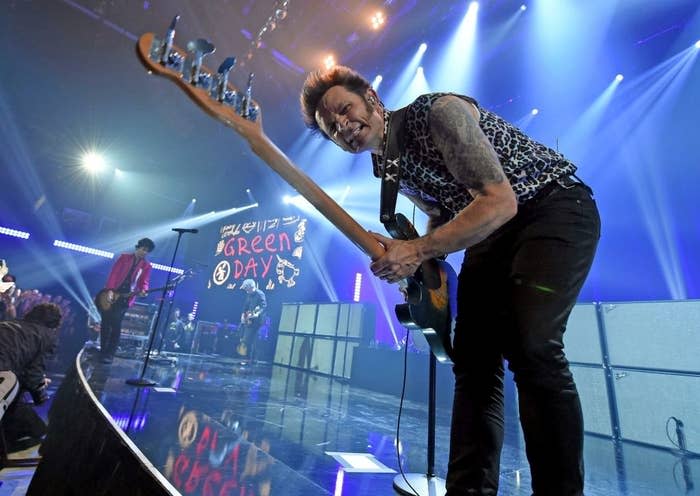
(269, 251)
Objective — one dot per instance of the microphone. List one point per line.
(183, 230)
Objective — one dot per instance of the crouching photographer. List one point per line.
(24, 346)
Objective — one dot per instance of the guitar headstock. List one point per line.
(211, 90)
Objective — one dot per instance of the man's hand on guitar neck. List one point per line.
(400, 260)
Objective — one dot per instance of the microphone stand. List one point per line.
(426, 484)
(141, 381)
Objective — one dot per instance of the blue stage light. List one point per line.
(358, 287)
(165, 268)
(14, 233)
(82, 249)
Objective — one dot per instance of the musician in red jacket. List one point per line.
(130, 274)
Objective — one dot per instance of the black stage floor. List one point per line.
(222, 427)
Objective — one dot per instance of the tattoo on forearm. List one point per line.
(468, 154)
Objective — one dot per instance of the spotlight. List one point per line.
(422, 48)
(194, 200)
(535, 111)
(619, 78)
(474, 6)
(697, 44)
(93, 162)
(377, 20)
(118, 173)
(377, 81)
(329, 61)
(286, 199)
(523, 7)
(419, 70)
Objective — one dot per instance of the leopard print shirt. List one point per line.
(528, 165)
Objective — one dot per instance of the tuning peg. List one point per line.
(198, 49)
(168, 43)
(248, 108)
(222, 78)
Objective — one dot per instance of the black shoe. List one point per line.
(23, 443)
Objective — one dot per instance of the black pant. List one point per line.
(516, 290)
(111, 328)
(20, 420)
(249, 339)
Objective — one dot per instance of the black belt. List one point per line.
(563, 182)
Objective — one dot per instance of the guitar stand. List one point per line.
(427, 484)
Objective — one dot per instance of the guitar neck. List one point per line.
(134, 293)
(262, 146)
(278, 161)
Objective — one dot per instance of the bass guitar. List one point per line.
(427, 304)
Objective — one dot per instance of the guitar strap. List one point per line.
(391, 171)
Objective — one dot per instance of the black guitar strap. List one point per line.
(391, 171)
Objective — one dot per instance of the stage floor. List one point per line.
(217, 426)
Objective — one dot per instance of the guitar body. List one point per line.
(432, 310)
(242, 349)
(430, 296)
(106, 299)
(251, 316)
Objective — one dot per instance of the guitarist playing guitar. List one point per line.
(531, 227)
(131, 272)
(252, 318)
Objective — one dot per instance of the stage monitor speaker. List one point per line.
(343, 361)
(306, 318)
(206, 337)
(283, 350)
(288, 317)
(322, 356)
(340, 359)
(646, 401)
(301, 351)
(327, 319)
(582, 337)
(654, 335)
(590, 382)
(356, 321)
(343, 316)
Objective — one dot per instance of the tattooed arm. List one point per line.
(471, 159)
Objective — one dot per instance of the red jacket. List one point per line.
(140, 278)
